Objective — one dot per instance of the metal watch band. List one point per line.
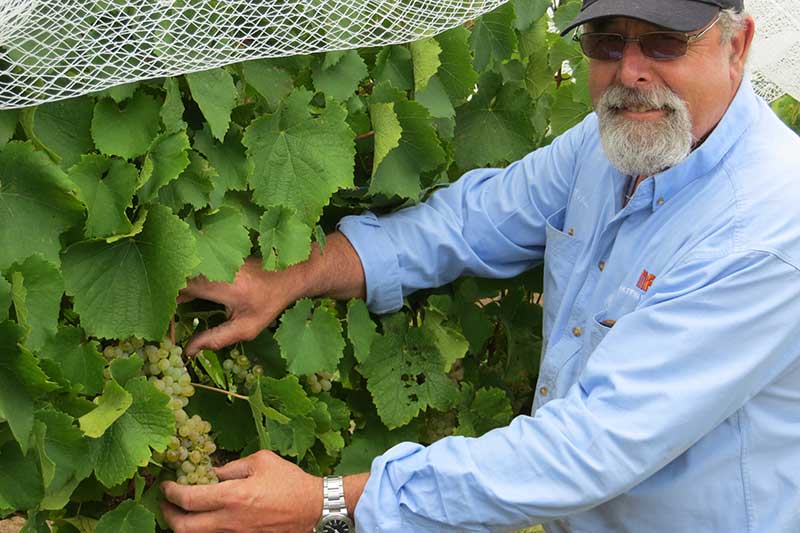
(333, 496)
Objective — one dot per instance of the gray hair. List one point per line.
(731, 22)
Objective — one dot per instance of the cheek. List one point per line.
(601, 76)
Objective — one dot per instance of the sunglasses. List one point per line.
(660, 45)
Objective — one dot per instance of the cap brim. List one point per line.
(681, 16)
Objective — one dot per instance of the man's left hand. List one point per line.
(260, 493)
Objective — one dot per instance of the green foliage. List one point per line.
(111, 201)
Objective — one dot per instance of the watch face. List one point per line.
(337, 525)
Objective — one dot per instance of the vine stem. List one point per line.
(365, 135)
(226, 393)
(172, 331)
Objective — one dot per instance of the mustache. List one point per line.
(618, 97)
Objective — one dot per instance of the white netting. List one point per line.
(55, 49)
(775, 56)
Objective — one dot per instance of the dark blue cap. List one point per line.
(677, 15)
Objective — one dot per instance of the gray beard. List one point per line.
(644, 148)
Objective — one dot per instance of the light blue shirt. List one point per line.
(682, 417)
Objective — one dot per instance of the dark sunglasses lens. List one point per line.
(602, 46)
(664, 45)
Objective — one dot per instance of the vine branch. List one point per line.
(221, 391)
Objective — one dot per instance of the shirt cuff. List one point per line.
(379, 260)
(378, 508)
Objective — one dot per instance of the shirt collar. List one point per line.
(742, 112)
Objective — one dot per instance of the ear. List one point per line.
(740, 47)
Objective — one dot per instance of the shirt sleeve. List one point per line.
(712, 334)
(490, 223)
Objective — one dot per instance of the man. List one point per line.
(669, 392)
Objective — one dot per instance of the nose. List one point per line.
(635, 68)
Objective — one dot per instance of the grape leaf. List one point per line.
(493, 127)
(493, 37)
(21, 382)
(482, 410)
(270, 81)
(435, 99)
(418, 151)
(446, 335)
(529, 11)
(128, 287)
(80, 363)
(393, 65)
(125, 446)
(119, 93)
(172, 110)
(126, 132)
(223, 243)
(284, 239)
(566, 111)
(8, 123)
(387, 130)
(228, 159)
(38, 204)
(193, 187)
(405, 373)
(63, 446)
(340, 79)
(165, 161)
(5, 298)
(62, 128)
(361, 330)
(215, 94)
(300, 161)
(232, 422)
(21, 483)
(369, 443)
(287, 397)
(106, 187)
(566, 13)
(424, 60)
(456, 72)
(111, 405)
(44, 288)
(128, 517)
(310, 342)
(126, 368)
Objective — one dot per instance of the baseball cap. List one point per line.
(676, 15)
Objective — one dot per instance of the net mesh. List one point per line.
(775, 56)
(56, 49)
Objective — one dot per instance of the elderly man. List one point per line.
(669, 392)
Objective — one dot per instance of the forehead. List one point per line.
(624, 25)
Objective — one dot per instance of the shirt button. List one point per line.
(543, 391)
(571, 232)
(660, 201)
(577, 332)
(601, 265)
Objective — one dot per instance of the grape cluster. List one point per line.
(321, 381)
(189, 451)
(241, 371)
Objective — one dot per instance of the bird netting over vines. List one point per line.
(56, 49)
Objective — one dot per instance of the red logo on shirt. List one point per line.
(645, 280)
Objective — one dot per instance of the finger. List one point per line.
(225, 334)
(200, 287)
(239, 469)
(194, 497)
(180, 521)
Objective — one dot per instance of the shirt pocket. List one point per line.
(561, 250)
(623, 301)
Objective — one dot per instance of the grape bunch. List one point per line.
(241, 371)
(321, 381)
(189, 451)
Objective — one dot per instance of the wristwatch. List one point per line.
(334, 511)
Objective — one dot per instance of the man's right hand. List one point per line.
(252, 301)
(256, 297)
